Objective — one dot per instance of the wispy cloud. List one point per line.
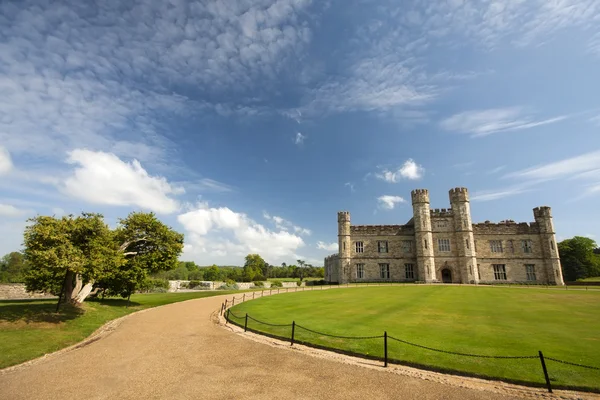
(8, 210)
(497, 169)
(285, 225)
(479, 123)
(388, 202)
(561, 169)
(351, 186)
(205, 185)
(299, 139)
(495, 194)
(409, 170)
(327, 246)
(5, 161)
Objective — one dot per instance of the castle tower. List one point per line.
(543, 217)
(344, 245)
(423, 236)
(463, 228)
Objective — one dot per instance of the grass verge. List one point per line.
(474, 320)
(30, 328)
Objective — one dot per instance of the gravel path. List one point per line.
(178, 352)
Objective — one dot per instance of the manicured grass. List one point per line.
(476, 320)
(31, 328)
(293, 279)
(592, 279)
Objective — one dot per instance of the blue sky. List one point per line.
(247, 125)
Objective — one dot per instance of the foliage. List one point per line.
(229, 286)
(150, 285)
(180, 273)
(578, 259)
(212, 273)
(253, 268)
(259, 284)
(193, 284)
(83, 250)
(559, 322)
(276, 284)
(13, 268)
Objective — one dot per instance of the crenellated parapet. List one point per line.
(506, 227)
(387, 230)
(419, 196)
(459, 194)
(441, 212)
(542, 212)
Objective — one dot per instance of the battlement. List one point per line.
(441, 212)
(420, 196)
(458, 194)
(344, 216)
(506, 227)
(332, 256)
(542, 212)
(382, 230)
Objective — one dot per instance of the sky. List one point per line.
(247, 125)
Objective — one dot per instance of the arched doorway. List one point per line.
(446, 275)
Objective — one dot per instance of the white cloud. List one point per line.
(7, 210)
(486, 122)
(388, 202)
(299, 140)
(490, 195)
(103, 178)
(560, 169)
(222, 232)
(351, 186)
(285, 225)
(327, 246)
(409, 170)
(5, 161)
(497, 169)
(206, 185)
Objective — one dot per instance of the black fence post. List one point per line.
(227, 317)
(246, 323)
(385, 357)
(244, 298)
(545, 372)
(233, 302)
(293, 331)
(253, 293)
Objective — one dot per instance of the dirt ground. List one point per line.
(181, 351)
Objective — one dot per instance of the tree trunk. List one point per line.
(84, 292)
(78, 286)
(68, 287)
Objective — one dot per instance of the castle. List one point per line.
(443, 245)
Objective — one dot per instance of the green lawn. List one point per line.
(592, 279)
(31, 328)
(477, 320)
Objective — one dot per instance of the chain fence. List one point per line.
(231, 317)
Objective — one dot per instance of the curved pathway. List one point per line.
(177, 352)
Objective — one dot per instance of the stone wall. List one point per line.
(176, 286)
(15, 291)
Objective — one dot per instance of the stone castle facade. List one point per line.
(443, 245)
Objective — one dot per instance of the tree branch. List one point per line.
(130, 253)
(125, 245)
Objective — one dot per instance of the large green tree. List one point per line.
(253, 268)
(578, 259)
(13, 267)
(82, 253)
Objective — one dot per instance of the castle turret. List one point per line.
(423, 235)
(543, 218)
(344, 245)
(463, 228)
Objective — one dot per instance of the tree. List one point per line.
(212, 273)
(253, 268)
(13, 267)
(82, 253)
(147, 246)
(578, 259)
(300, 271)
(69, 253)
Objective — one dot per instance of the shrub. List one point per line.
(258, 284)
(193, 284)
(299, 283)
(229, 282)
(226, 286)
(154, 285)
(276, 284)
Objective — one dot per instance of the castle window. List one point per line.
(496, 246)
(360, 271)
(530, 269)
(359, 247)
(511, 247)
(478, 272)
(526, 245)
(407, 246)
(384, 271)
(344, 245)
(465, 223)
(441, 224)
(467, 243)
(382, 246)
(409, 271)
(425, 243)
(499, 272)
(444, 244)
(552, 244)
